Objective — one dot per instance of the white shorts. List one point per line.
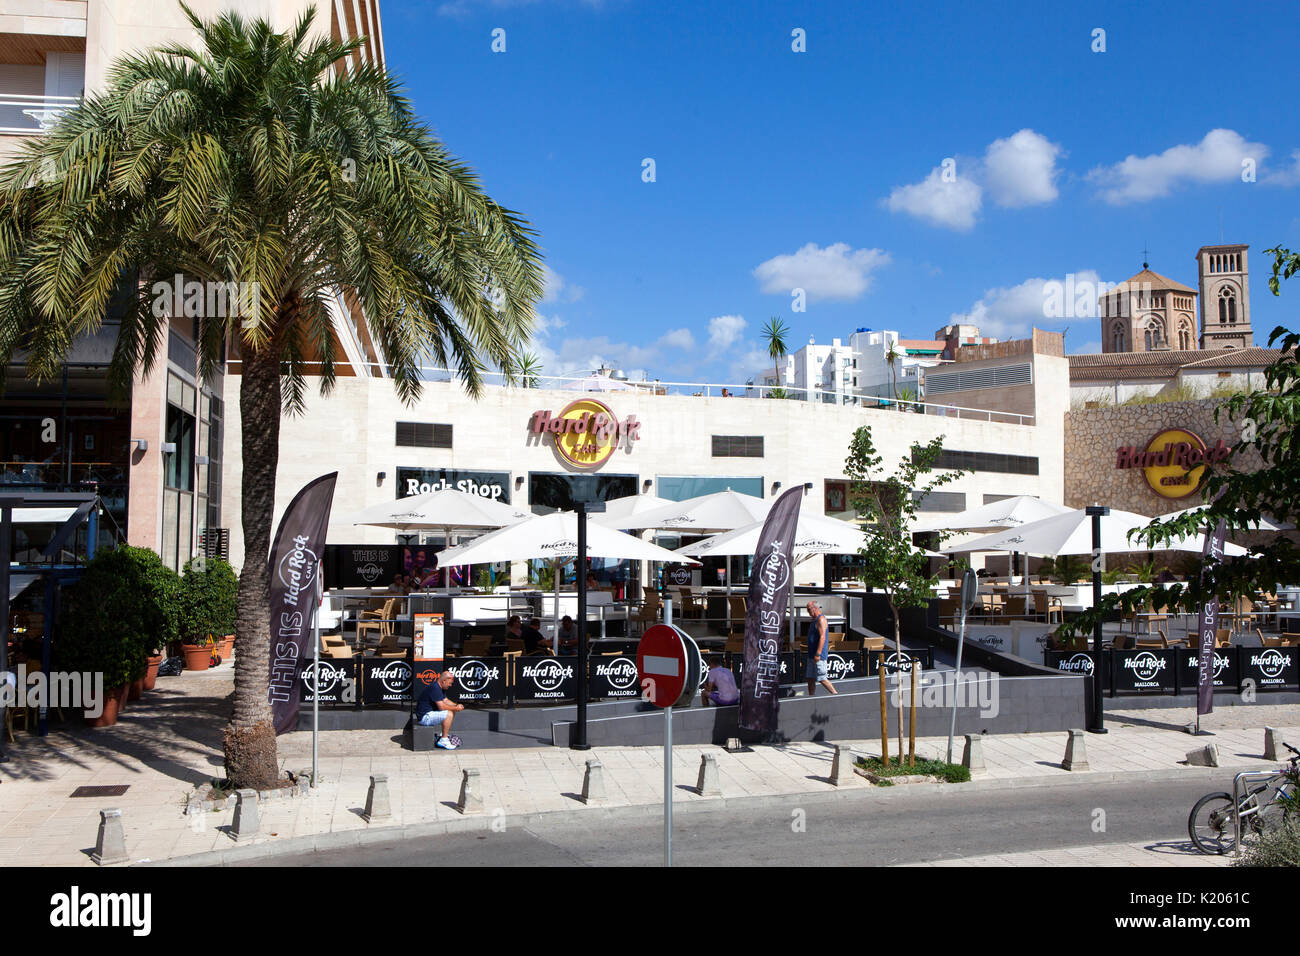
(433, 718)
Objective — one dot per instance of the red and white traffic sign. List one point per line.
(668, 665)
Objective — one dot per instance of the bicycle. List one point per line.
(1210, 823)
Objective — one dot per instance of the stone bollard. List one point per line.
(1271, 741)
(377, 806)
(706, 784)
(1076, 757)
(972, 755)
(110, 845)
(470, 801)
(305, 781)
(1207, 756)
(733, 745)
(841, 766)
(593, 783)
(247, 823)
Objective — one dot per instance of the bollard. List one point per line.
(377, 806)
(733, 745)
(304, 782)
(1271, 740)
(247, 824)
(1076, 757)
(470, 800)
(972, 755)
(1207, 756)
(841, 767)
(110, 844)
(593, 783)
(706, 784)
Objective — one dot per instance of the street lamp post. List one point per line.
(580, 736)
(1096, 719)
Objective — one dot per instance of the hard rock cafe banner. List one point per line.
(295, 564)
(1209, 623)
(769, 596)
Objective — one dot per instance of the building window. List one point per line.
(1154, 335)
(549, 492)
(1117, 340)
(681, 487)
(948, 501)
(1227, 307)
(737, 446)
(423, 435)
(179, 471)
(986, 461)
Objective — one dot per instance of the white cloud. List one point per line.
(952, 205)
(678, 339)
(1217, 158)
(1087, 348)
(544, 325)
(556, 289)
(1010, 312)
(1285, 175)
(724, 331)
(836, 273)
(1021, 170)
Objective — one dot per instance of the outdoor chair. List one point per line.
(514, 645)
(873, 644)
(381, 620)
(737, 611)
(1045, 606)
(388, 646)
(476, 646)
(735, 643)
(1223, 637)
(333, 646)
(1016, 606)
(648, 612)
(691, 605)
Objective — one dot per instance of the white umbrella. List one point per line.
(598, 383)
(447, 509)
(554, 537)
(719, 511)
(1264, 524)
(630, 506)
(1071, 533)
(1006, 513)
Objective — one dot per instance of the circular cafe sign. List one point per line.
(1173, 462)
(586, 433)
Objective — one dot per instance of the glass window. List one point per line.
(737, 446)
(180, 464)
(549, 492)
(679, 488)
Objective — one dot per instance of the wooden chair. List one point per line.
(836, 640)
(478, 645)
(514, 645)
(648, 612)
(737, 608)
(333, 646)
(388, 646)
(1223, 637)
(1162, 641)
(381, 620)
(735, 643)
(690, 604)
(1045, 606)
(1016, 605)
(873, 644)
(991, 605)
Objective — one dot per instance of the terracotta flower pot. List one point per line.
(197, 657)
(227, 647)
(151, 672)
(112, 700)
(135, 689)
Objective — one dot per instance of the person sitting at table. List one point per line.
(433, 709)
(568, 636)
(720, 687)
(592, 583)
(399, 584)
(534, 641)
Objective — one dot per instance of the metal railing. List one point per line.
(25, 114)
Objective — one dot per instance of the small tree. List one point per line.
(891, 562)
(774, 334)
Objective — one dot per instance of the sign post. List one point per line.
(969, 589)
(668, 665)
(1209, 626)
(1097, 722)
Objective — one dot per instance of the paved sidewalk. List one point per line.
(169, 743)
(1180, 854)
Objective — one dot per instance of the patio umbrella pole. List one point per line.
(1098, 722)
(581, 742)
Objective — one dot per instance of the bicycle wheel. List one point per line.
(1210, 824)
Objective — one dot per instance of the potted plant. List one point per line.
(206, 611)
(122, 608)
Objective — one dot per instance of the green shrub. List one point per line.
(947, 772)
(207, 605)
(122, 610)
(1276, 846)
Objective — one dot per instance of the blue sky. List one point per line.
(825, 169)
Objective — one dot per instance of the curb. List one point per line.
(342, 839)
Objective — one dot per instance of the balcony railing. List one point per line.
(27, 115)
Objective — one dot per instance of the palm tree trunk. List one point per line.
(251, 759)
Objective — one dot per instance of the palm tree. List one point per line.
(242, 160)
(774, 333)
(525, 371)
(891, 357)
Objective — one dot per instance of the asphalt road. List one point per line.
(871, 828)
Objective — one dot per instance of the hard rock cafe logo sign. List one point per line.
(1173, 462)
(586, 433)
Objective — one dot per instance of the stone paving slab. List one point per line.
(1111, 854)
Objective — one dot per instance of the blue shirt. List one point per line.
(429, 700)
(814, 637)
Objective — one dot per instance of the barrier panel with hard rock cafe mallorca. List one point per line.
(1175, 670)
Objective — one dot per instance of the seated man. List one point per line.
(720, 687)
(433, 709)
(534, 641)
(568, 636)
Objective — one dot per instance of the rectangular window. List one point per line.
(987, 461)
(179, 472)
(1000, 377)
(549, 492)
(737, 446)
(949, 501)
(423, 435)
(681, 487)
(989, 499)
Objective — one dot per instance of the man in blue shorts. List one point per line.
(819, 650)
(433, 709)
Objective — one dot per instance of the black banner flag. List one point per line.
(1209, 623)
(769, 595)
(296, 554)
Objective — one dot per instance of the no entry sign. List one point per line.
(668, 665)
